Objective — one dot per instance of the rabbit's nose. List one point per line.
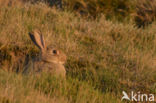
(63, 59)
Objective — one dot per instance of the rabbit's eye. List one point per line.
(55, 51)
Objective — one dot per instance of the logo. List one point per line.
(137, 97)
(125, 96)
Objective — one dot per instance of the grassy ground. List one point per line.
(47, 89)
(104, 57)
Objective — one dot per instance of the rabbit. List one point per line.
(50, 60)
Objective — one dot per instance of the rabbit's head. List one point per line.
(48, 53)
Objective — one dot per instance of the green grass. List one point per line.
(103, 57)
(45, 88)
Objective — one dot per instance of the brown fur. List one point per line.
(51, 59)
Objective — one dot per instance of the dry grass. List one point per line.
(118, 9)
(104, 57)
(48, 89)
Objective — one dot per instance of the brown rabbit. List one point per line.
(50, 60)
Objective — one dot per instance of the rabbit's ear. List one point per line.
(38, 39)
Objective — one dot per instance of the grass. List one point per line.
(48, 89)
(104, 57)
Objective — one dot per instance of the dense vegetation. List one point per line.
(105, 56)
